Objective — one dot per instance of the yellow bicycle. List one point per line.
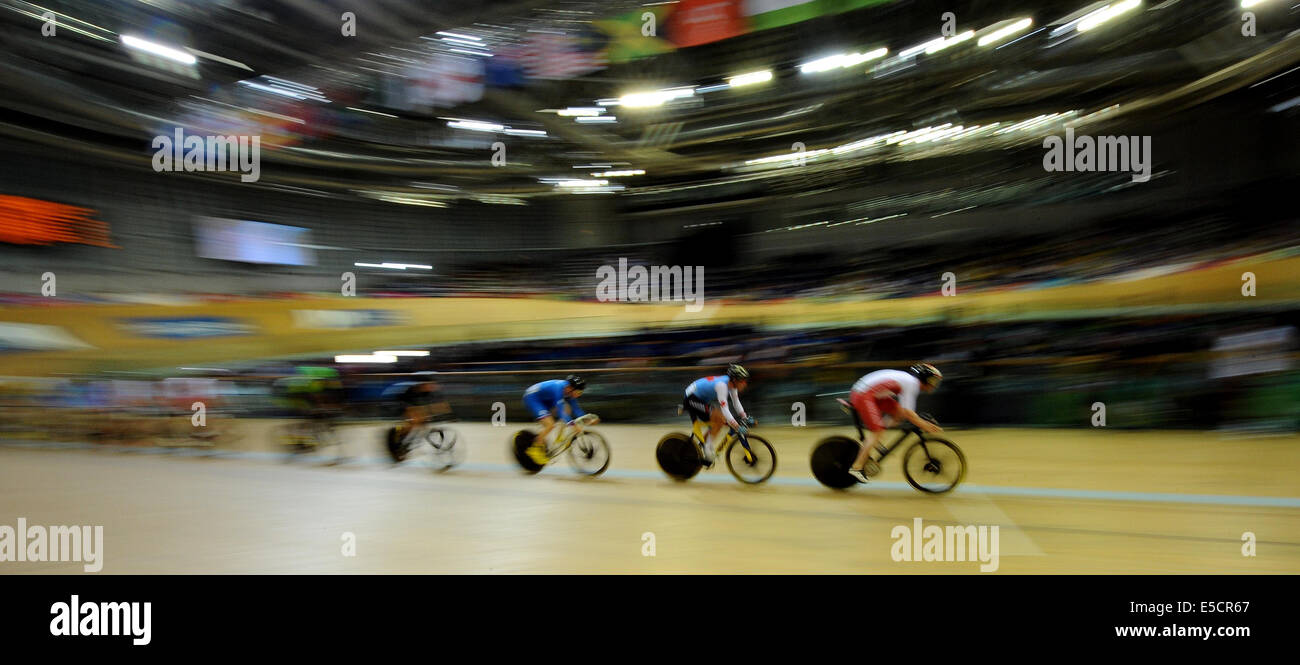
(588, 450)
(751, 459)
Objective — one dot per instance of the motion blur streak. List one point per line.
(457, 200)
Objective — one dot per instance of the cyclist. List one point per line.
(711, 400)
(315, 395)
(551, 399)
(422, 401)
(892, 393)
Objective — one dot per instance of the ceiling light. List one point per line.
(158, 49)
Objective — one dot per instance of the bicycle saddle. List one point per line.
(848, 408)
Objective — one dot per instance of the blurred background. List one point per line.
(862, 181)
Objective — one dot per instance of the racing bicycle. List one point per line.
(588, 451)
(750, 458)
(444, 443)
(932, 464)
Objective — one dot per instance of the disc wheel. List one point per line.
(934, 466)
(678, 457)
(393, 444)
(832, 459)
(519, 446)
(756, 466)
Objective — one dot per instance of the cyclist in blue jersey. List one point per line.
(713, 399)
(549, 400)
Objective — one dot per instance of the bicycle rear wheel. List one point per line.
(678, 457)
(393, 444)
(934, 466)
(589, 453)
(756, 467)
(519, 447)
(832, 459)
(293, 441)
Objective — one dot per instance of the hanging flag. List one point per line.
(444, 80)
(635, 35)
(841, 6)
(765, 14)
(698, 22)
(563, 56)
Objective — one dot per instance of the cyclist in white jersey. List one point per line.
(886, 396)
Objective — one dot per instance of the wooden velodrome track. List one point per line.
(1086, 501)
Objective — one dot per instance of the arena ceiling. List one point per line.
(688, 133)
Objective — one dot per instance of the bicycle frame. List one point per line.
(906, 430)
(699, 428)
(563, 440)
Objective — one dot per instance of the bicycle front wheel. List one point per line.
(934, 466)
(447, 451)
(755, 465)
(589, 454)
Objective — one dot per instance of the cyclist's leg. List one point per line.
(300, 428)
(698, 412)
(415, 416)
(716, 423)
(537, 451)
(545, 417)
(869, 411)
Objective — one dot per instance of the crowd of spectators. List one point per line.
(1083, 256)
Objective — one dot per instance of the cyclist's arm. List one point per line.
(575, 411)
(907, 409)
(722, 393)
(740, 410)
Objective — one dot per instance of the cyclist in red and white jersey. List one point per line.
(886, 396)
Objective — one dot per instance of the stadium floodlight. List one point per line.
(653, 98)
(1105, 14)
(1000, 33)
(573, 111)
(158, 49)
(273, 90)
(913, 50)
(750, 78)
(455, 35)
(370, 358)
(941, 44)
(386, 115)
(393, 266)
(841, 61)
(476, 126)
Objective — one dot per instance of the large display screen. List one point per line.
(253, 242)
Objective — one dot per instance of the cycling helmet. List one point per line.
(927, 373)
(737, 373)
(576, 382)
